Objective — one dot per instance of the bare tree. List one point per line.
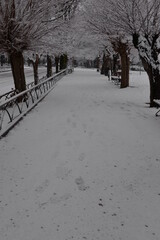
(59, 39)
(24, 25)
(34, 59)
(98, 17)
(141, 20)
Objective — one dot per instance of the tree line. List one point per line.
(82, 27)
(124, 24)
(34, 27)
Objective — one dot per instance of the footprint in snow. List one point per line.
(80, 183)
(42, 187)
(81, 157)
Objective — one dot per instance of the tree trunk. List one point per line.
(63, 61)
(125, 69)
(122, 48)
(115, 64)
(2, 59)
(57, 64)
(97, 63)
(35, 69)
(17, 65)
(49, 66)
(105, 66)
(154, 81)
(150, 64)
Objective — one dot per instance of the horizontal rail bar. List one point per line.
(22, 93)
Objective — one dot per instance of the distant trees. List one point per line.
(59, 39)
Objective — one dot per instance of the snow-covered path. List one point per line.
(84, 164)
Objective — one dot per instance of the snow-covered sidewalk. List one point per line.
(84, 164)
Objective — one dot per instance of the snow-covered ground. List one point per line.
(84, 164)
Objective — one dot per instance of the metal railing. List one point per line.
(13, 91)
(13, 109)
